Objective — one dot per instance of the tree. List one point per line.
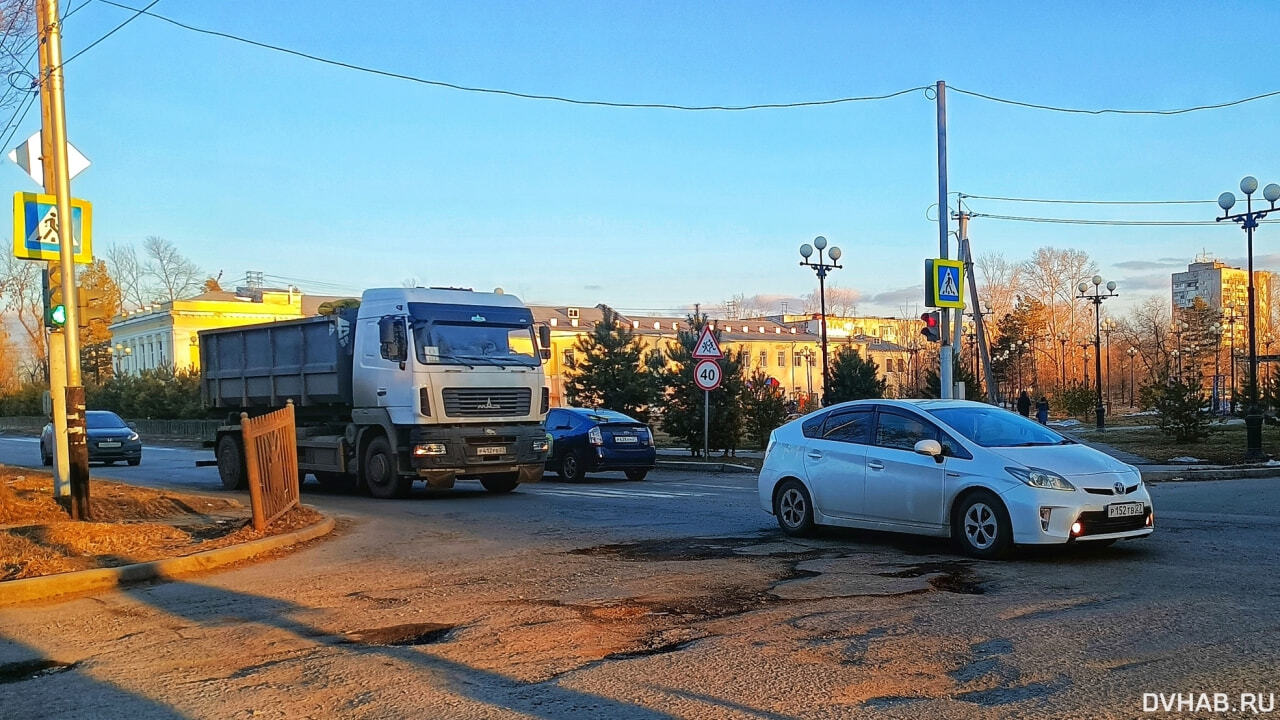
(682, 412)
(1180, 403)
(17, 22)
(854, 378)
(20, 288)
(765, 407)
(130, 276)
(212, 283)
(960, 372)
(175, 276)
(613, 371)
(95, 339)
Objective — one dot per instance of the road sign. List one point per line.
(707, 348)
(707, 375)
(35, 228)
(27, 156)
(944, 283)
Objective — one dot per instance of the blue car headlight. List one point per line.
(1043, 479)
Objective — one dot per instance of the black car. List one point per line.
(110, 439)
(584, 441)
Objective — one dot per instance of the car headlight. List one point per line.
(429, 449)
(133, 436)
(540, 445)
(1038, 478)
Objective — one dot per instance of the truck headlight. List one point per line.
(540, 445)
(429, 449)
(1043, 479)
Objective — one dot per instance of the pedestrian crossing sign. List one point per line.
(944, 283)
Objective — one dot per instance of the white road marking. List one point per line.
(613, 493)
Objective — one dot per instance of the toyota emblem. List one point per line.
(1119, 488)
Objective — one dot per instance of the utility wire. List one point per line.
(1084, 221)
(967, 196)
(110, 32)
(1115, 111)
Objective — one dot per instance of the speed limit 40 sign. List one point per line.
(706, 375)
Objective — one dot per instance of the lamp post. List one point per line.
(1062, 361)
(807, 354)
(121, 353)
(1132, 352)
(1215, 331)
(1096, 298)
(1003, 357)
(1084, 361)
(1249, 220)
(822, 268)
(1109, 326)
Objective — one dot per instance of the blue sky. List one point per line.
(253, 160)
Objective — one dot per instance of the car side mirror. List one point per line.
(932, 448)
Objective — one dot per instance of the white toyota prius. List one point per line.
(988, 478)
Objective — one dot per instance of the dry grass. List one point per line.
(130, 524)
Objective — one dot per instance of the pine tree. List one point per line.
(853, 378)
(682, 414)
(613, 371)
(765, 407)
(960, 372)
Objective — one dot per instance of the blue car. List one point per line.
(584, 441)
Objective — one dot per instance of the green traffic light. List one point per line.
(58, 315)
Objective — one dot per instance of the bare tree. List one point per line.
(130, 276)
(175, 276)
(17, 42)
(997, 284)
(20, 287)
(841, 301)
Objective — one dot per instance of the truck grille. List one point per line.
(482, 402)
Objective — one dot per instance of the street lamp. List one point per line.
(1215, 331)
(807, 354)
(1063, 337)
(1109, 326)
(1249, 220)
(1132, 352)
(1096, 298)
(822, 268)
(121, 353)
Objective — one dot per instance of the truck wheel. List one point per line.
(380, 472)
(231, 463)
(504, 483)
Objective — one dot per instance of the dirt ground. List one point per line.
(130, 525)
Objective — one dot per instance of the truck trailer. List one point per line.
(409, 384)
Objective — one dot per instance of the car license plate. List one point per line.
(108, 444)
(624, 438)
(1119, 510)
(492, 450)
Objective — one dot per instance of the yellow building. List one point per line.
(788, 352)
(165, 335)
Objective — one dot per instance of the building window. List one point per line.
(764, 358)
(796, 360)
(568, 358)
(782, 358)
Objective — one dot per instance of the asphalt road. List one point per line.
(672, 597)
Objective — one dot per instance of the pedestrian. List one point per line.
(1024, 404)
(1042, 410)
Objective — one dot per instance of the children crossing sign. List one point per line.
(707, 348)
(944, 283)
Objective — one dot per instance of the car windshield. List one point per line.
(993, 427)
(103, 420)
(463, 335)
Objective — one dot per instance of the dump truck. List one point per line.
(431, 384)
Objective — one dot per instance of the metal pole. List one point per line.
(1253, 417)
(1109, 370)
(984, 352)
(944, 352)
(706, 424)
(822, 302)
(1097, 358)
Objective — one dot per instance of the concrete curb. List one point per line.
(82, 581)
(1192, 474)
(704, 466)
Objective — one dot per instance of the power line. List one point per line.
(967, 196)
(110, 32)
(1115, 111)
(513, 93)
(1085, 221)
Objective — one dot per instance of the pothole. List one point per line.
(950, 576)
(709, 548)
(402, 635)
(30, 669)
(667, 647)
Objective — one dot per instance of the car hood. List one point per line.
(1066, 460)
(105, 433)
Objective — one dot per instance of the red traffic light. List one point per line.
(930, 319)
(931, 329)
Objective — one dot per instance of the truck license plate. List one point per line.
(1118, 510)
(491, 450)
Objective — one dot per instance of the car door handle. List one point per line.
(815, 454)
(382, 392)
(875, 465)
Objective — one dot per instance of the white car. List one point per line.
(988, 478)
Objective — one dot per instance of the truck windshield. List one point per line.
(463, 335)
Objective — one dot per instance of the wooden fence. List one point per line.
(271, 460)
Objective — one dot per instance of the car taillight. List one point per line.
(595, 437)
(546, 400)
(649, 434)
(424, 400)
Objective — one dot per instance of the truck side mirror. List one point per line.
(391, 338)
(544, 341)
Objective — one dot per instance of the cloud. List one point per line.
(897, 297)
(1150, 264)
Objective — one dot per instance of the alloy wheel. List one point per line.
(792, 506)
(980, 526)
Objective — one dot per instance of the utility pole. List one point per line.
(945, 383)
(54, 138)
(984, 352)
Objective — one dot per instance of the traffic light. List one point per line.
(932, 330)
(92, 304)
(55, 310)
